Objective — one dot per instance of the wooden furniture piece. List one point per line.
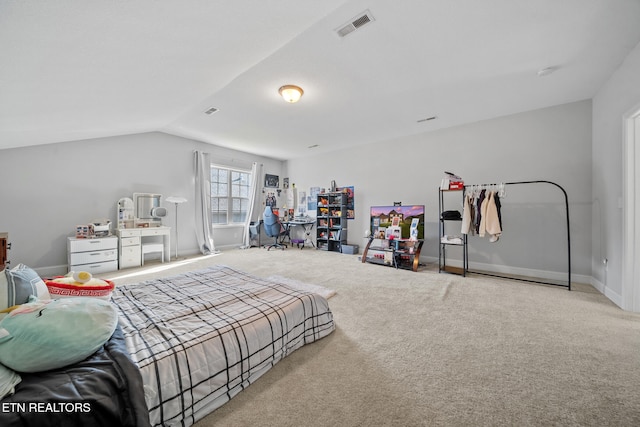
(398, 253)
(331, 221)
(4, 247)
(131, 240)
(95, 255)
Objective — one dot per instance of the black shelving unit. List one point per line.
(331, 221)
(448, 225)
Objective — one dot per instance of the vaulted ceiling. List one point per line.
(75, 69)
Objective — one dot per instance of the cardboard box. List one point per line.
(456, 185)
(350, 249)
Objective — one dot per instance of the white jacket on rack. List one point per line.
(468, 215)
(489, 220)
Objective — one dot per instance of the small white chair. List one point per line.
(149, 248)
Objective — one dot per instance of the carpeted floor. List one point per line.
(429, 349)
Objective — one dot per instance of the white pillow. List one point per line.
(8, 380)
(20, 283)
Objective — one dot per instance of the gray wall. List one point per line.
(47, 190)
(615, 99)
(549, 144)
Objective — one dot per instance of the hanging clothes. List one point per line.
(479, 200)
(490, 221)
(496, 199)
(468, 214)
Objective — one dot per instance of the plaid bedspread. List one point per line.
(201, 337)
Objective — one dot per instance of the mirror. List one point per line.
(145, 205)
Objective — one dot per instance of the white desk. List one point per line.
(131, 239)
(307, 226)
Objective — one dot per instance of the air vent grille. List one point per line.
(346, 30)
(211, 110)
(427, 119)
(361, 21)
(355, 23)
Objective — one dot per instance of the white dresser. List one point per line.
(95, 255)
(131, 239)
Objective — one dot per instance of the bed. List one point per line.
(184, 346)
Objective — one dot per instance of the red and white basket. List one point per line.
(66, 290)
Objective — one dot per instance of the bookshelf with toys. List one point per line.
(331, 221)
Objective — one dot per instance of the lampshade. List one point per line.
(291, 93)
(175, 199)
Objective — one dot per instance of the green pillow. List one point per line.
(44, 335)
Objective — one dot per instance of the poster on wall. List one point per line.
(312, 201)
(302, 203)
(271, 181)
(291, 198)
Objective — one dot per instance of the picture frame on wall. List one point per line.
(271, 181)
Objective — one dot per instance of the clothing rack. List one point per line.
(566, 203)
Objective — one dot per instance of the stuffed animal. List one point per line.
(43, 335)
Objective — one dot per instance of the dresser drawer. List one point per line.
(132, 252)
(130, 257)
(87, 245)
(81, 258)
(130, 241)
(98, 267)
(128, 232)
(152, 231)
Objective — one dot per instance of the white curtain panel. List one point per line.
(246, 237)
(204, 228)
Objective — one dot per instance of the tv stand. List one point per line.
(398, 253)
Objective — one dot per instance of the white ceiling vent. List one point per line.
(355, 23)
(211, 110)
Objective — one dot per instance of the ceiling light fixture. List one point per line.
(546, 71)
(291, 93)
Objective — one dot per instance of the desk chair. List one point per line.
(273, 227)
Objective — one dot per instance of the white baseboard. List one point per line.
(51, 271)
(517, 271)
(607, 292)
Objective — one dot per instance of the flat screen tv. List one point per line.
(383, 217)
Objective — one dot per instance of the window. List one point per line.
(229, 195)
